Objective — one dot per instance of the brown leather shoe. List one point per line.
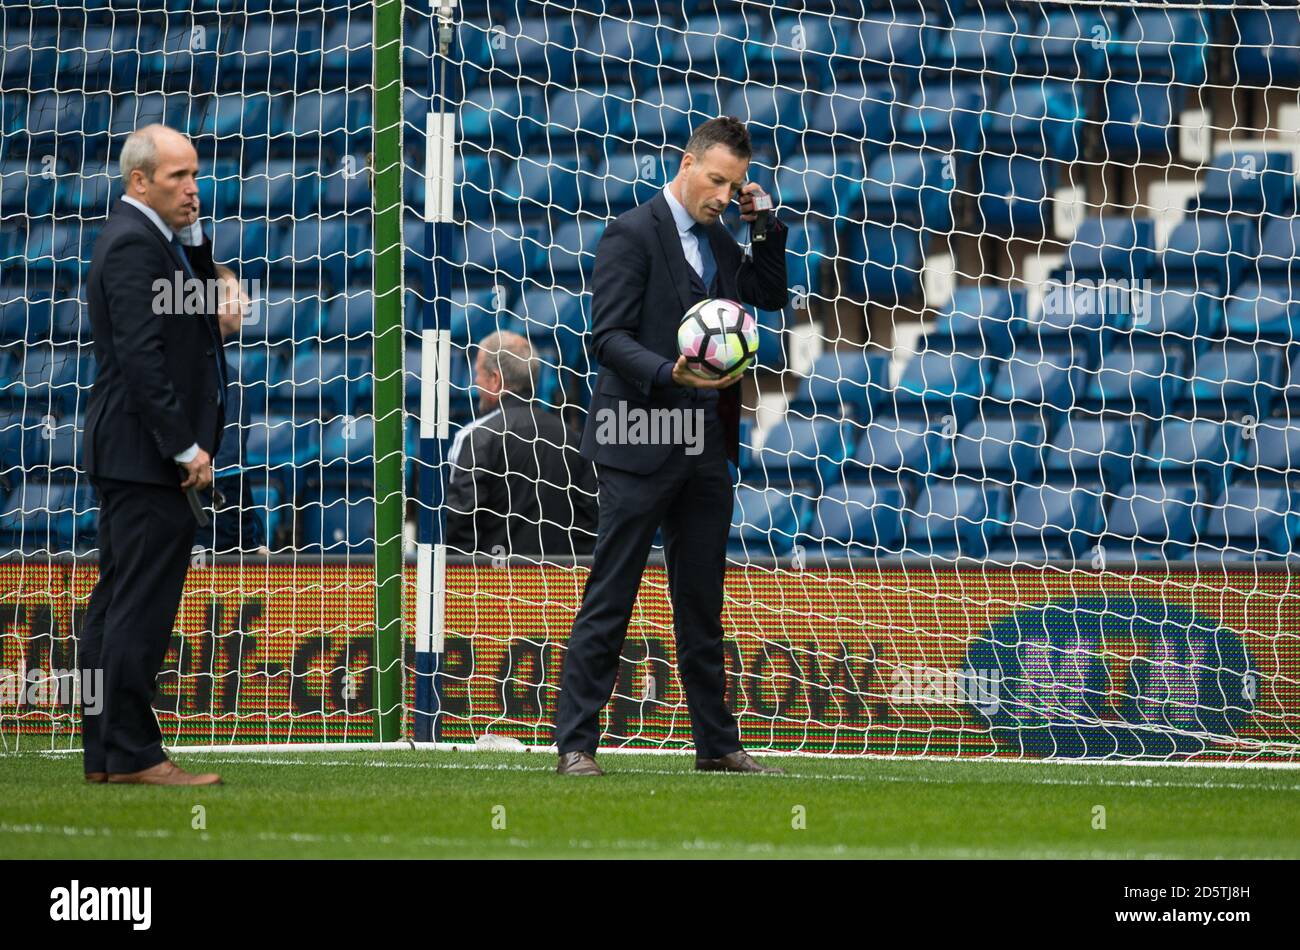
(739, 761)
(96, 778)
(577, 763)
(165, 772)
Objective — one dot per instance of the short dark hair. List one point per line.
(725, 130)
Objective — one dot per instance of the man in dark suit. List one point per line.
(653, 264)
(157, 404)
(518, 485)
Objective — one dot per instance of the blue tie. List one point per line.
(710, 266)
(180, 249)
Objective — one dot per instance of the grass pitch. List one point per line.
(426, 804)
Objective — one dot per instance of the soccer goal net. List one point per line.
(1015, 467)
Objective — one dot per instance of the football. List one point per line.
(719, 338)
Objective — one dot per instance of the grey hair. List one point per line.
(140, 151)
(511, 356)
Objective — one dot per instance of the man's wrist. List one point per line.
(189, 455)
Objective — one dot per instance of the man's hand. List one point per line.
(684, 377)
(198, 472)
(746, 200)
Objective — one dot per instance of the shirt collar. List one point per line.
(683, 217)
(151, 214)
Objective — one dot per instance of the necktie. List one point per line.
(710, 267)
(185, 259)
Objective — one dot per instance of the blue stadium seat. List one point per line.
(823, 185)
(950, 519)
(614, 47)
(801, 452)
(882, 262)
(53, 379)
(1063, 45)
(274, 189)
(1149, 380)
(313, 246)
(842, 383)
(979, 320)
(1210, 252)
(1151, 520)
(1169, 45)
(1264, 312)
(1141, 120)
(978, 44)
(282, 316)
(773, 114)
(1050, 522)
(800, 50)
(888, 45)
(489, 118)
(667, 115)
(29, 51)
(1237, 378)
(1252, 523)
(1114, 247)
(630, 177)
(712, 45)
(474, 314)
(1193, 451)
(321, 382)
(25, 315)
(280, 444)
(349, 319)
(850, 118)
(40, 516)
(573, 249)
(765, 522)
(503, 254)
(1086, 316)
(340, 522)
(897, 451)
(1096, 452)
(1249, 182)
(806, 252)
(1269, 49)
(943, 115)
(347, 454)
(1183, 318)
(537, 48)
(1038, 118)
(941, 382)
(1037, 378)
(477, 178)
(1014, 194)
(554, 319)
(20, 435)
(1270, 457)
(852, 521)
(280, 52)
(25, 190)
(584, 118)
(910, 185)
(771, 338)
(1279, 250)
(343, 187)
(999, 449)
(544, 186)
(348, 50)
(90, 193)
(248, 369)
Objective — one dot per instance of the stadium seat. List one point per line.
(583, 118)
(773, 114)
(978, 44)
(912, 186)
(573, 249)
(1192, 451)
(540, 48)
(1248, 182)
(498, 254)
(1033, 378)
(477, 177)
(41, 516)
(1037, 118)
(1151, 521)
(347, 454)
(348, 319)
(823, 185)
(842, 383)
(666, 115)
(1211, 253)
(321, 382)
(53, 379)
(1182, 318)
(25, 315)
(1141, 120)
(1087, 316)
(489, 118)
(850, 119)
(474, 314)
(1014, 195)
(882, 262)
(1003, 450)
(950, 519)
(340, 522)
(1270, 457)
(1149, 380)
(618, 48)
(897, 451)
(1251, 523)
(542, 187)
(712, 45)
(282, 445)
(941, 382)
(1168, 44)
(1114, 247)
(1097, 452)
(1056, 522)
(942, 115)
(765, 522)
(886, 45)
(1236, 378)
(978, 320)
(275, 189)
(1264, 312)
(799, 51)
(801, 452)
(1269, 46)
(555, 320)
(623, 180)
(853, 521)
(347, 55)
(1063, 45)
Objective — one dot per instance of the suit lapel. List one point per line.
(671, 243)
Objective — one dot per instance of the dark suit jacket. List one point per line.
(157, 379)
(642, 285)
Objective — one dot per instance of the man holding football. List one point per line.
(653, 264)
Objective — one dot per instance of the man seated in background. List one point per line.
(517, 484)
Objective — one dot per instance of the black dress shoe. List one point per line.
(96, 778)
(739, 761)
(577, 763)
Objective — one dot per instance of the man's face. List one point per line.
(488, 383)
(710, 182)
(173, 190)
